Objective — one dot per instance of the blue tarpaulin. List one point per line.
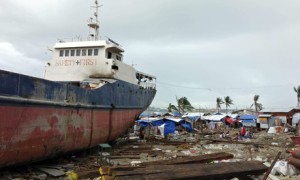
(146, 123)
(247, 117)
(248, 120)
(193, 118)
(176, 114)
(169, 123)
(169, 127)
(187, 126)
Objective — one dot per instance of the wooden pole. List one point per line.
(271, 167)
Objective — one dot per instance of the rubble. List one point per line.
(156, 157)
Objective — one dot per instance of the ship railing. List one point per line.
(146, 81)
(147, 85)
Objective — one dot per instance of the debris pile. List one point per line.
(188, 155)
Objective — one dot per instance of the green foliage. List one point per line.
(297, 90)
(258, 106)
(228, 102)
(219, 102)
(183, 105)
(171, 108)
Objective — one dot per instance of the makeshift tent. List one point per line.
(233, 116)
(187, 126)
(229, 120)
(166, 125)
(194, 116)
(173, 121)
(176, 114)
(152, 122)
(248, 120)
(169, 127)
(168, 114)
(215, 118)
(214, 121)
(156, 114)
(295, 120)
(266, 121)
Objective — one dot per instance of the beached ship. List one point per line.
(88, 96)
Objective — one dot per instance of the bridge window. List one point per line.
(96, 51)
(90, 52)
(72, 52)
(81, 52)
(66, 52)
(61, 53)
(84, 52)
(78, 52)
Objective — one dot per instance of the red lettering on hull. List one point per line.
(78, 62)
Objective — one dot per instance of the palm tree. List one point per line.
(171, 108)
(219, 102)
(183, 105)
(258, 106)
(228, 102)
(297, 90)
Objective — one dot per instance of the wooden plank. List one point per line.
(125, 156)
(193, 159)
(122, 168)
(195, 171)
(272, 165)
(238, 142)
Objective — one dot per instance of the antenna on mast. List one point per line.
(94, 24)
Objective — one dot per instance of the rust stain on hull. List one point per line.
(31, 133)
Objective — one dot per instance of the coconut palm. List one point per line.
(219, 102)
(183, 105)
(228, 102)
(171, 108)
(258, 106)
(297, 90)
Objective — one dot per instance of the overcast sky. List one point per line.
(200, 49)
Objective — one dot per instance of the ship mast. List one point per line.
(94, 24)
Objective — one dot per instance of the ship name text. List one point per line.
(79, 62)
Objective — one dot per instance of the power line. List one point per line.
(230, 88)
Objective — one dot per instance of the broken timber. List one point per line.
(238, 142)
(193, 171)
(194, 159)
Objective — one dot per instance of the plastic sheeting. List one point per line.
(166, 125)
(187, 126)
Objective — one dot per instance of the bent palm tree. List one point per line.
(258, 106)
(183, 105)
(171, 108)
(228, 102)
(219, 102)
(297, 90)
